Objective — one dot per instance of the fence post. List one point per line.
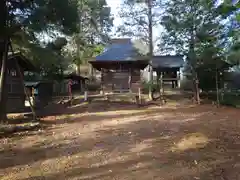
(85, 95)
(139, 96)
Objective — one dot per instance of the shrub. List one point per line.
(228, 99)
(231, 100)
(146, 85)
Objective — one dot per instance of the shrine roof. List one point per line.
(168, 61)
(123, 50)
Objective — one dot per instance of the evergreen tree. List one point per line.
(194, 28)
(95, 22)
(24, 20)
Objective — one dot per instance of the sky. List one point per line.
(115, 6)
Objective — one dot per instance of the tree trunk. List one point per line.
(3, 58)
(92, 73)
(194, 72)
(197, 92)
(3, 87)
(78, 70)
(161, 88)
(192, 53)
(158, 87)
(217, 89)
(150, 93)
(25, 92)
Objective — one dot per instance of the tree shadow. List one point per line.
(80, 112)
(99, 110)
(153, 146)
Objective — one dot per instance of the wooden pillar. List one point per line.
(173, 76)
(85, 95)
(81, 86)
(161, 83)
(130, 80)
(70, 83)
(102, 82)
(91, 72)
(25, 91)
(139, 99)
(33, 97)
(178, 78)
(161, 89)
(158, 82)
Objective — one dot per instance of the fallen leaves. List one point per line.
(14, 128)
(127, 144)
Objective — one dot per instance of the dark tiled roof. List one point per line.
(37, 83)
(25, 63)
(167, 61)
(123, 50)
(75, 76)
(32, 84)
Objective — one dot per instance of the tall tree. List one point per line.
(231, 12)
(139, 18)
(56, 47)
(95, 21)
(135, 15)
(29, 18)
(194, 28)
(3, 52)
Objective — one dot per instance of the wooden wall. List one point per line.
(15, 90)
(120, 80)
(14, 83)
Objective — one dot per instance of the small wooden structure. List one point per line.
(120, 66)
(78, 82)
(168, 69)
(16, 65)
(60, 89)
(41, 92)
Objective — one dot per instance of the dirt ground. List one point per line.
(107, 141)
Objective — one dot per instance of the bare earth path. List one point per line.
(110, 141)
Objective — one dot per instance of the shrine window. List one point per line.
(12, 72)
